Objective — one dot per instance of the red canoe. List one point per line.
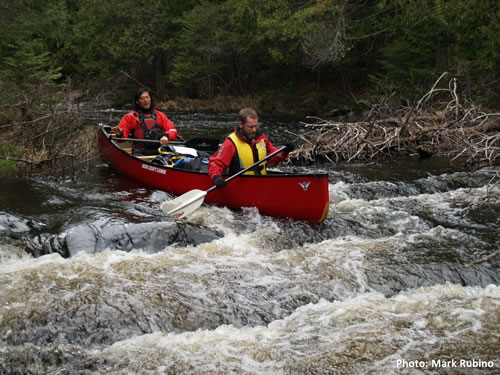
(297, 196)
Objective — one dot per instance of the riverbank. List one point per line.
(54, 129)
(312, 104)
(217, 104)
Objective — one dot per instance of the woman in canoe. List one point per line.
(145, 122)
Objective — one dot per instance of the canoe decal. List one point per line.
(305, 185)
(153, 168)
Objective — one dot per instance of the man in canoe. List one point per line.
(145, 122)
(246, 145)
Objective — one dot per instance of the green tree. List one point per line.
(125, 35)
(200, 56)
(112, 35)
(235, 46)
(32, 33)
(473, 44)
(424, 39)
(30, 63)
(7, 152)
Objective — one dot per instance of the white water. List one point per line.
(381, 287)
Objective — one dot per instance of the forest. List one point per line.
(298, 57)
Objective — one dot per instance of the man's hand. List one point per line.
(219, 181)
(289, 148)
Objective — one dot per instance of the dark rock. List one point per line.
(151, 236)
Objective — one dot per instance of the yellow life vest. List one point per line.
(245, 153)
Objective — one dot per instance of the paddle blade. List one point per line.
(185, 204)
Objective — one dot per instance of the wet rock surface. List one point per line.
(100, 235)
(150, 237)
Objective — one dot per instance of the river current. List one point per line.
(94, 279)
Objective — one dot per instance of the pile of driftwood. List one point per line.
(439, 123)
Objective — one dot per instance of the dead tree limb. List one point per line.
(432, 125)
(485, 259)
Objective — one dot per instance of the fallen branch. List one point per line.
(455, 128)
(485, 259)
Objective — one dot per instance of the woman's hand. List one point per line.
(116, 132)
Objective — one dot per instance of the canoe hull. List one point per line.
(297, 196)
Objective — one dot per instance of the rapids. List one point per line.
(95, 280)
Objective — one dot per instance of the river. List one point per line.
(94, 279)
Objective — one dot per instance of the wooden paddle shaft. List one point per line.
(200, 143)
(137, 140)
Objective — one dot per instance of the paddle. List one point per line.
(190, 201)
(200, 143)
